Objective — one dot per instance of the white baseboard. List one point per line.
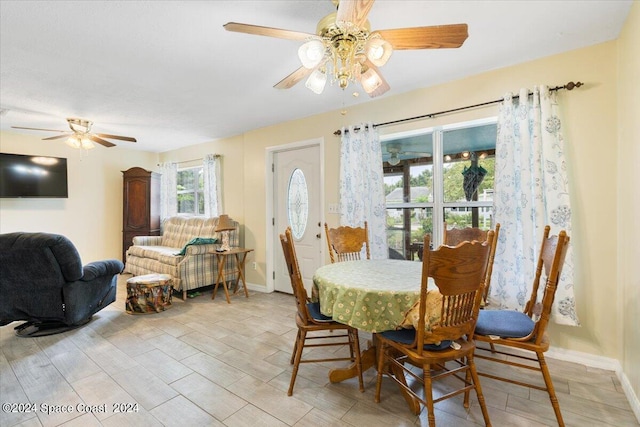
(586, 359)
(600, 362)
(257, 288)
(631, 396)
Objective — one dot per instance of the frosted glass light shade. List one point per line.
(76, 141)
(73, 142)
(378, 51)
(316, 81)
(370, 80)
(394, 160)
(86, 143)
(311, 53)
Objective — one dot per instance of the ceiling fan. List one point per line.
(345, 49)
(80, 135)
(395, 152)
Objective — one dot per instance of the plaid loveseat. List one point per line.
(161, 254)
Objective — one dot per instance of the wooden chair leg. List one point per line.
(428, 395)
(295, 348)
(550, 389)
(302, 335)
(478, 388)
(381, 355)
(467, 379)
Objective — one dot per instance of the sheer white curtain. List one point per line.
(361, 185)
(531, 191)
(212, 186)
(168, 190)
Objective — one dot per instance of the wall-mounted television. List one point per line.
(33, 176)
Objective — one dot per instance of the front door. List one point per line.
(297, 204)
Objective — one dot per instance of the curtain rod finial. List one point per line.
(572, 85)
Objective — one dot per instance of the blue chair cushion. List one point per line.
(504, 323)
(314, 311)
(406, 336)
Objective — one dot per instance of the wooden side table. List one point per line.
(241, 256)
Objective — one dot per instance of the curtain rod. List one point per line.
(192, 160)
(568, 86)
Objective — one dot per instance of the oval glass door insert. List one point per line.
(298, 203)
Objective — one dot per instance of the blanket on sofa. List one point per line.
(197, 241)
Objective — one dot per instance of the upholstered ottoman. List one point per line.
(150, 293)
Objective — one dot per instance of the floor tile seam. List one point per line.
(136, 400)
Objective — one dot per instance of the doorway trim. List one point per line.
(272, 235)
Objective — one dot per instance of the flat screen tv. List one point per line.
(33, 176)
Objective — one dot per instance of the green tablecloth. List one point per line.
(371, 295)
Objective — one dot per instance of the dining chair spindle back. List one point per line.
(345, 243)
(454, 236)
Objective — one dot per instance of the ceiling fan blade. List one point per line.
(354, 11)
(434, 37)
(123, 138)
(48, 130)
(266, 31)
(57, 137)
(294, 78)
(101, 141)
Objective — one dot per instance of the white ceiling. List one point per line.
(167, 73)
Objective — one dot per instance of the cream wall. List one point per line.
(629, 196)
(92, 215)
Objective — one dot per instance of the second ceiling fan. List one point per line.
(80, 135)
(345, 50)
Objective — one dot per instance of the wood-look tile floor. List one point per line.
(209, 363)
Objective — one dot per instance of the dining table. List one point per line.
(373, 296)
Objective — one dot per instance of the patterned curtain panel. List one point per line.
(212, 186)
(532, 190)
(168, 190)
(361, 185)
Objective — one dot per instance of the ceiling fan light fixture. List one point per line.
(370, 80)
(86, 143)
(74, 142)
(80, 142)
(317, 81)
(311, 53)
(378, 51)
(394, 160)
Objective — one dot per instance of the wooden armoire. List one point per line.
(141, 205)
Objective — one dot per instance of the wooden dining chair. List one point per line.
(459, 273)
(345, 243)
(311, 321)
(510, 330)
(454, 236)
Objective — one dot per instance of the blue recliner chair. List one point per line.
(42, 281)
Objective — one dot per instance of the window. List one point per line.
(191, 191)
(437, 175)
